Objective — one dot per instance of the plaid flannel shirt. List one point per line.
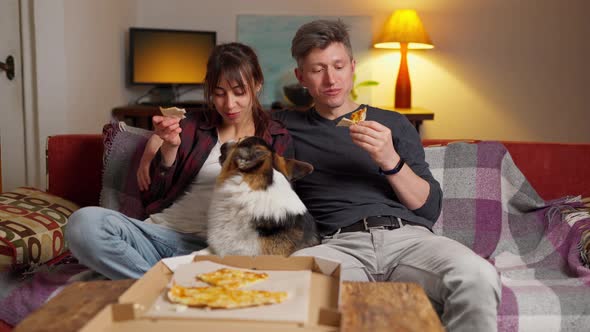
(197, 140)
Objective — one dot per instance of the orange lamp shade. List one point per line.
(404, 31)
(404, 26)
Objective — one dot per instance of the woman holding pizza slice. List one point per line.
(177, 184)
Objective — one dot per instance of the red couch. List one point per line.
(74, 167)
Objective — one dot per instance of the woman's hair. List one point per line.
(319, 34)
(236, 62)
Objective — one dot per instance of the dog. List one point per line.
(254, 210)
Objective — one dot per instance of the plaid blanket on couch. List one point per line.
(490, 207)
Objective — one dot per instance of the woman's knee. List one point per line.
(84, 225)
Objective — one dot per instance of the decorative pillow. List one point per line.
(123, 149)
(31, 227)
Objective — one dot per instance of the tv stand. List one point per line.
(140, 115)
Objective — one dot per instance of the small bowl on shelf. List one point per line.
(298, 95)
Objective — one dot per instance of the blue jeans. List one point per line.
(120, 247)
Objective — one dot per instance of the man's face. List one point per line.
(328, 75)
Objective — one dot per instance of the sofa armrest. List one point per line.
(74, 167)
(554, 169)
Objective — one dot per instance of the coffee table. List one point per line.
(374, 306)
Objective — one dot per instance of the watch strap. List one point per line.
(394, 170)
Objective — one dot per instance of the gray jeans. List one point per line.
(463, 287)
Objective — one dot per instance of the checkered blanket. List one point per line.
(538, 247)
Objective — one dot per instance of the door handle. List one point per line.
(8, 66)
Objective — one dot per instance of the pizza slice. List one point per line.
(232, 278)
(173, 112)
(355, 118)
(223, 298)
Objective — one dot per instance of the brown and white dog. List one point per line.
(254, 210)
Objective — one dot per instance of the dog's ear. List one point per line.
(291, 168)
(249, 157)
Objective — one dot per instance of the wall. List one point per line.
(510, 70)
(79, 65)
(506, 70)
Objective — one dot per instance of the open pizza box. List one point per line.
(312, 305)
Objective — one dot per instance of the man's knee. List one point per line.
(477, 276)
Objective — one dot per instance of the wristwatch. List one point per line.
(394, 170)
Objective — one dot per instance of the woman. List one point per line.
(182, 173)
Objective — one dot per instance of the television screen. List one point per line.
(165, 57)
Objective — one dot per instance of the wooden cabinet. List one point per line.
(141, 115)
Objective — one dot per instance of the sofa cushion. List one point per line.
(32, 227)
(123, 149)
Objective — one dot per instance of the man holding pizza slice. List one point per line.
(372, 193)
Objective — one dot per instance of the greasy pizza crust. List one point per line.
(173, 112)
(355, 118)
(359, 115)
(223, 298)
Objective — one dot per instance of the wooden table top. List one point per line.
(386, 306)
(366, 306)
(71, 309)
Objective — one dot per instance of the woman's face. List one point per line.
(233, 102)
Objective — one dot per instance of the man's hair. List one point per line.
(319, 34)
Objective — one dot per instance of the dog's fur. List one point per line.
(254, 210)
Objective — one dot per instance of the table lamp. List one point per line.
(404, 31)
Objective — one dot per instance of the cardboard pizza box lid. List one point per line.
(323, 309)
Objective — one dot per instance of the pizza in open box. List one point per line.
(222, 297)
(232, 278)
(224, 293)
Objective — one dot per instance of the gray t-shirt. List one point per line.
(345, 185)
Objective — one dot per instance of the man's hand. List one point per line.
(411, 190)
(168, 129)
(377, 140)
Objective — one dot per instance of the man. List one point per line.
(372, 193)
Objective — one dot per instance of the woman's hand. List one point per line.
(168, 129)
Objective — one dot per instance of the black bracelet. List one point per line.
(394, 170)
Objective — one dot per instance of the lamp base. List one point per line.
(403, 86)
(403, 100)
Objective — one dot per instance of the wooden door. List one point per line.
(12, 130)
